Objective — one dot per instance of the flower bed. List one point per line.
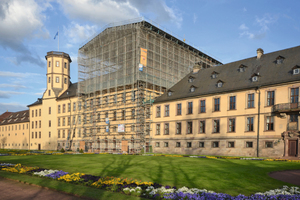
(147, 189)
(18, 168)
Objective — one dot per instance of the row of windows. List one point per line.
(106, 99)
(105, 129)
(57, 80)
(64, 108)
(36, 113)
(231, 126)
(9, 134)
(57, 64)
(113, 118)
(232, 103)
(11, 127)
(39, 134)
(213, 144)
(15, 144)
(38, 124)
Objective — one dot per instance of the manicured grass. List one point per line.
(220, 175)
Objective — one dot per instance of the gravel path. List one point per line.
(289, 176)
(12, 190)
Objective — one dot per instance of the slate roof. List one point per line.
(38, 102)
(16, 117)
(70, 92)
(268, 71)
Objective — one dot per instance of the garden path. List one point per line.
(11, 190)
(289, 176)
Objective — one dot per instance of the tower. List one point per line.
(58, 73)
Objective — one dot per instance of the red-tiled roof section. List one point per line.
(16, 117)
(4, 115)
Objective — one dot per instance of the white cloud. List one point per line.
(245, 9)
(106, 11)
(17, 75)
(99, 11)
(78, 33)
(20, 20)
(12, 107)
(263, 24)
(243, 27)
(195, 18)
(8, 94)
(265, 21)
(15, 86)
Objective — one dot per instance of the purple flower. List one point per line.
(56, 175)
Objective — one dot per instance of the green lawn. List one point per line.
(220, 175)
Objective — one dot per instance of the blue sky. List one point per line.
(227, 30)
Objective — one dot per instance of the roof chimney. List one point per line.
(260, 52)
(197, 67)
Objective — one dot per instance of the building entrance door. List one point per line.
(292, 147)
(39, 146)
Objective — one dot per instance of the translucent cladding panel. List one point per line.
(149, 70)
(149, 62)
(142, 76)
(150, 46)
(150, 55)
(113, 83)
(129, 55)
(143, 43)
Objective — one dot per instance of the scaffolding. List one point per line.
(116, 88)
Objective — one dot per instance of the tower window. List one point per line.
(49, 92)
(65, 65)
(57, 63)
(49, 80)
(65, 80)
(49, 63)
(57, 79)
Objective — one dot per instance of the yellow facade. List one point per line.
(259, 120)
(14, 131)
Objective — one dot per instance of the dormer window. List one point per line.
(192, 88)
(242, 68)
(254, 78)
(279, 59)
(296, 70)
(191, 79)
(219, 83)
(169, 93)
(214, 74)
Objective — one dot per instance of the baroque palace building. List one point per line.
(244, 108)
(142, 89)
